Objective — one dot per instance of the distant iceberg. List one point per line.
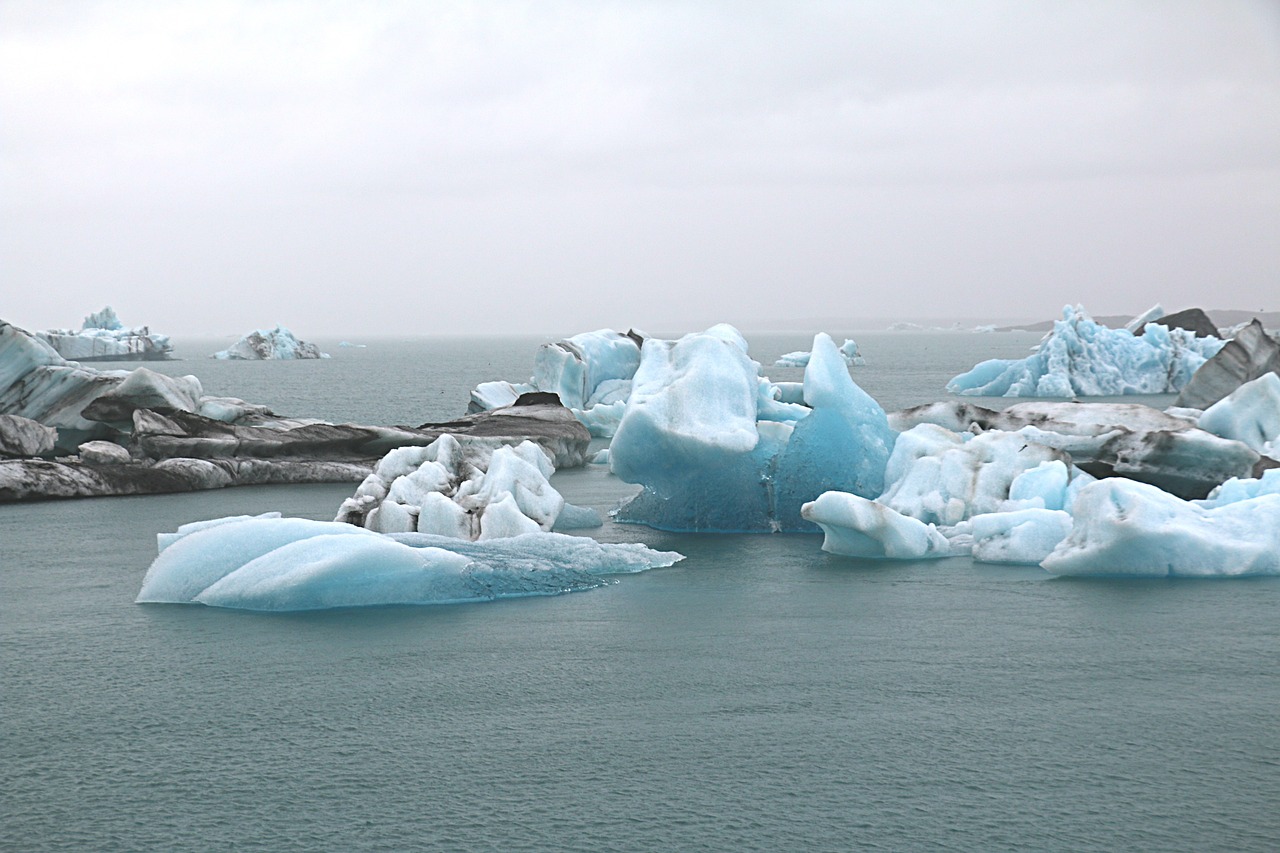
(264, 344)
(102, 337)
(1081, 358)
(291, 564)
(848, 351)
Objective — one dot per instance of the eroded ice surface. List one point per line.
(463, 488)
(1082, 358)
(282, 564)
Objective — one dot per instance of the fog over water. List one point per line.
(400, 168)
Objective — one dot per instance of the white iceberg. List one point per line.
(1133, 529)
(856, 527)
(944, 477)
(848, 351)
(1082, 358)
(1250, 414)
(462, 488)
(102, 337)
(284, 564)
(265, 344)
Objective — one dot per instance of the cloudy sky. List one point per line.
(399, 167)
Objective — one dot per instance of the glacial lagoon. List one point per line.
(759, 695)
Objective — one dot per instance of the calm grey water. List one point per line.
(761, 695)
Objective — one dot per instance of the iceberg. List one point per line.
(1133, 529)
(716, 450)
(264, 344)
(286, 564)
(1250, 414)
(856, 527)
(462, 488)
(102, 337)
(1250, 354)
(590, 373)
(1082, 358)
(1108, 439)
(848, 351)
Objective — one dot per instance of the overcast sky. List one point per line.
(354, 168)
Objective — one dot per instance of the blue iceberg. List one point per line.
(1081, 358)
(717, 448)
(288, 564)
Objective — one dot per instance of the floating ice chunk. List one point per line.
(1083, 358)
(1133, 529)
(102, 337)
(281, 564)
(848, 351)
(1250, 414)
(788, 392)
(263, 344)
(856, 527)
(1024, 536)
